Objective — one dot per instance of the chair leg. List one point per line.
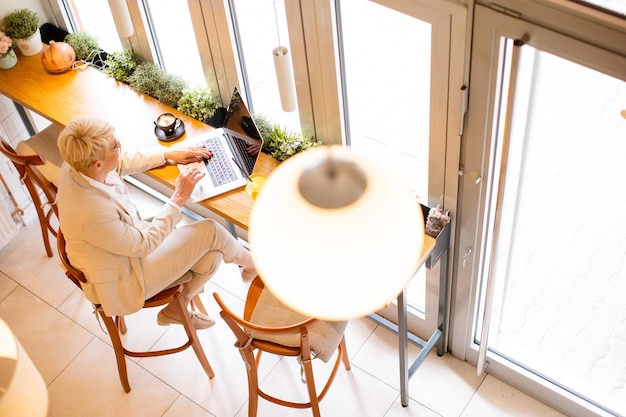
(44, 232)
(43, 221)
(193, 337)
(344, 353)
(120, 355)
(121, 324)
(253, 380)
(310, 384)
(307, 362)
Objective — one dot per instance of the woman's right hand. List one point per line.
(185, 183)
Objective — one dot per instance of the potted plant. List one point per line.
(150, 79)
(8, 59)
(279, 143)
(199, 103)
(86, 47)
(22, 25)
(121, 64)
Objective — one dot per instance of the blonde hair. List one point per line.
(84, 141)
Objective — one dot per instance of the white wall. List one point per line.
(13, 130)
(7, 6)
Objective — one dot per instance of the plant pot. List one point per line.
(8, 60)
(30, 46)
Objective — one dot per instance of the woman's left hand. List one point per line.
(187, 155)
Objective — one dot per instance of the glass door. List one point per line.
(551, 262)
(399, 90)
(398, 134)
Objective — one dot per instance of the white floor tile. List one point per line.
(7, 285)
(497, 399)
(185, 407)
(414, 409)
(25, 261)
(50, 339)
(90, 386)
(444, 384)
(379, 356)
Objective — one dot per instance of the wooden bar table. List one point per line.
(62, 97)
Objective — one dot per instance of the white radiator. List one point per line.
(7, 226)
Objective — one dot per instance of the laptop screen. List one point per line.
(243, 132)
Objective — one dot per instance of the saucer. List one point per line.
(178, 132)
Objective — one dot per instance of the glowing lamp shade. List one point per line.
(23, 391)
(334, 234)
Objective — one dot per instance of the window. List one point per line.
(174, 39)
(95, 18)
(615, 6)
(260, 30)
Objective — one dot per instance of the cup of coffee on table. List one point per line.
(167, 122)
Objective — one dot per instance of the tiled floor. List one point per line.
(56, 327)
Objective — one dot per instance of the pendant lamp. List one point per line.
(122, 19)
(284, 73)
(334, 234)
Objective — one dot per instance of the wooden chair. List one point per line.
(38, 174)
(116, 325)
(270, 326)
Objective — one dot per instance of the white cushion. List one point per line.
(44, 143)
(324, 336)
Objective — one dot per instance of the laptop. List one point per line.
(235, 148)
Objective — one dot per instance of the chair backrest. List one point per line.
(255, 291)
(20, 161)
(72, 273)
(30, 175)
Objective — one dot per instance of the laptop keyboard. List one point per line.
(248, 160)
(219, 166)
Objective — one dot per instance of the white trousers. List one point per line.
(198, 247)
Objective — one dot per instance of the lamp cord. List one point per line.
(276, 20)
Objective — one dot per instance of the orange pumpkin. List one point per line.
(58, 57)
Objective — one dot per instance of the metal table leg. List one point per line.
(403, 348)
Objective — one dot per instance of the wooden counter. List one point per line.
(62, 97)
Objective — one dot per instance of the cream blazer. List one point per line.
(103, 239)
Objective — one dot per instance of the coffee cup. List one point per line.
(167, 123)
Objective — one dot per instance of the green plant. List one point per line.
(21, 24)
(263, 124)
(199, 103)
(280, 143)
(84, 44)
(150, 79)
(121, 64)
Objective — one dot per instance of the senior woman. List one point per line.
(125, 259)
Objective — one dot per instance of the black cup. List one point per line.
(168, 123)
